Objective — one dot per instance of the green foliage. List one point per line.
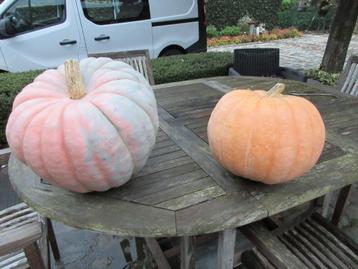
(287, 4)
(10, 85)
(241, 28)
(166, 69)
(323, 77)
(231, 31)
(212, 31)
(222, 13)
(264, 11)
(191, 66)
(304, 20)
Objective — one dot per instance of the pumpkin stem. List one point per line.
(276, 90)
(74, 79)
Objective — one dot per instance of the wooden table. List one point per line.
(183, 191)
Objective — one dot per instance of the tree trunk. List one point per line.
(340, 36)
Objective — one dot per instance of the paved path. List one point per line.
(300, 53)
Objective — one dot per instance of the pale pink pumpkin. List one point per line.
(92, 137)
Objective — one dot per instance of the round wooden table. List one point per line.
(183, 191)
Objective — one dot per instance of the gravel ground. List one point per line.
(300, 53)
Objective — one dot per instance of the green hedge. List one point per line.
(303, 19)
(222, 13)
(166, 69)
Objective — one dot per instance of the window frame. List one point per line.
(144, 17)
(37, 28)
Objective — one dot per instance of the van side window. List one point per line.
(115, 11)
(27, 15)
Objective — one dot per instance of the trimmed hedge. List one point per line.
(221, 13)
(166, 69)
(191, 66)
(304, 20)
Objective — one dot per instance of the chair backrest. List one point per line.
(348, 82)
(138, 59)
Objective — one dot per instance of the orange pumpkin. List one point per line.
(266, 136)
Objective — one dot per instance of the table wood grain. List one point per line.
(182, 190)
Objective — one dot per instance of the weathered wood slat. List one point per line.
(15, 239)
(4, 218)
(33, 255)
(303, 249)
(14, 260)
(175, 192)
(219, 214)
(114, 213)
(296, 252)
(226, 248)
(175, 173)
(164, 150)
(334, 250)
(341, 203)
(162, 186)
(343, 239)
(192, 198)
(320, 250)
(164, 162)
(253, 259)
(323, 178)
(187, 255)
(345, 250)
(157, 253)
(199, 152)
(270, 247)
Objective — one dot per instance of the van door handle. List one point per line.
(102, 37)
(68, 42)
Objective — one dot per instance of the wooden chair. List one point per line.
(348, 81)
(25, 238)
(138, 59)
(309, 241)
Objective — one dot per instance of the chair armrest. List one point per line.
(15, 239)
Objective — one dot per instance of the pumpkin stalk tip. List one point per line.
(276, 90)
(74, 79)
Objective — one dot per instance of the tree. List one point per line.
(340, 36)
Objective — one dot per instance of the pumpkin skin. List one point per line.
(271, 139)
(90, 144)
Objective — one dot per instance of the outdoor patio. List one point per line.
(170, 134)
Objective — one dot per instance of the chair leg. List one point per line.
(187, 254)
(126, 250)
(326, 202)
(341, 202)
(33, 255)
(52, 239)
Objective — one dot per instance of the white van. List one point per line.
(39, 34)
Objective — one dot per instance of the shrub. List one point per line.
(212, 31)
(191, 66)
(231, 31)
(10, 85)
(304, 20)
(166, 69)
(322, 76)
(221, 13)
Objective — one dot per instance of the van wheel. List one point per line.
(170, 52)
